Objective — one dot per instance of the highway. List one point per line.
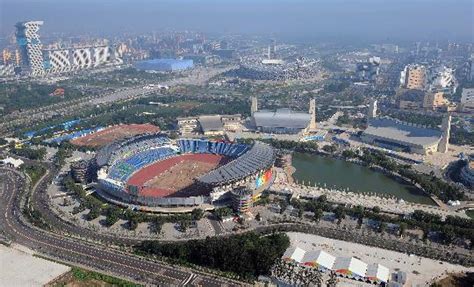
(9, 122)
(78, 252)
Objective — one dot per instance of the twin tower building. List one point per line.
(36, 61)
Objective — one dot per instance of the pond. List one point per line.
(346, 175)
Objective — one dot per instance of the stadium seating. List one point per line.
(206, 146)
(124, 168)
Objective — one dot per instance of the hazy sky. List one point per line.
(371, 20)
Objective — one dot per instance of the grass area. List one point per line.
(35, 172)
(79, 277)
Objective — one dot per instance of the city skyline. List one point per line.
(362, 20)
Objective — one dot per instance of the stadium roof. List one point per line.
(394, 130)
(354, 265)
(281, 118)
(211, 123)
(259, 157)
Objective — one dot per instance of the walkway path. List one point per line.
(386, 204)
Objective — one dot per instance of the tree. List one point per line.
(223, 212)
(197, 213)
(329, 148)
(184, 225)
(132, 223)
(300, 212)
(258, 217)
(156, 224)
(112, 215)
(332, 281)
(339, 213)
(283, 206)
(93, 214)
(382, 227)
(360, 221)
(318, 214)
(323, 198)
(402, 227)
(376, 209)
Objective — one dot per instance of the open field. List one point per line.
(78, 277)
(111, 134)
(169, 176)
(19, 268)
(421, 271)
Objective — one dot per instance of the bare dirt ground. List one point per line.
(111, 134)
(181, 175)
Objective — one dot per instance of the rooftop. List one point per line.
(282, 118)
(259, 157)
(211, 123)
(395, 130)
(351, 264)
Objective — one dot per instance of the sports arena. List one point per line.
(152, 172)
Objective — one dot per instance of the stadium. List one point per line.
(153, 173)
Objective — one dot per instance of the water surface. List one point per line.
(342, 175)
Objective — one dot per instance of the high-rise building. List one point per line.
(441, 79)
(28, 40)
(372, 109)
(312, 112)
(413, 77)
(434, 100)
(368, 71)
(467, 100)
(58, 61)
(6, 56)
(446, 129)
(254, 105)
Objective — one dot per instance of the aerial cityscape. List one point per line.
(237, 143)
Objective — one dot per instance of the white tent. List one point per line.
(377, 272)
(350, 266)
(294, 253)
(319, 259)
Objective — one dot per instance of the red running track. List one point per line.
(147, 173)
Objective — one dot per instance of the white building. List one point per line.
(58, 60)
(467, 100)
(442, 79)
(9, 161)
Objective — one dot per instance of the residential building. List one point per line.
(467, 100)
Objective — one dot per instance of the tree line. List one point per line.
(448, 230)
(248, 255)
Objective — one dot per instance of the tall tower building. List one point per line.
(30, 46)
(446, 128)
(254, 105)
(372, 109)
(312, 112)
(414, 77)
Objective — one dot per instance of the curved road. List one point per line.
(78, 252)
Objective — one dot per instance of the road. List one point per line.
(9, 122)
(78, 252)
